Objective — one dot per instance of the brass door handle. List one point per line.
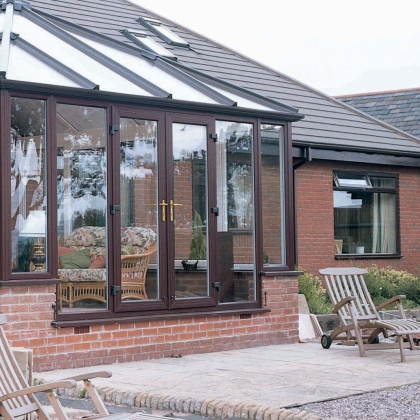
(163, 204)
(171, 211)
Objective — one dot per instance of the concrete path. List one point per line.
(261, 378)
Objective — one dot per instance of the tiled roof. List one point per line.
(328, 123)
(400, 108)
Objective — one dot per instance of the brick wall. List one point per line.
(29, 313)
(315, 217)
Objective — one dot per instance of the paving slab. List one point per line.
(273, 377)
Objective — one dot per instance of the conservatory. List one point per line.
(139, 187)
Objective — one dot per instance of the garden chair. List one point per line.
(18, 400)
(359, 318)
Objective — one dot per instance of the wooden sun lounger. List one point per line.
(359, 318)
(18, 400)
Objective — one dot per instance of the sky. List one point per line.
(336, 46)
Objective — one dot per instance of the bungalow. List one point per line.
(159, 179)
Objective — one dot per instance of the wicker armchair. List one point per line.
(133, 274)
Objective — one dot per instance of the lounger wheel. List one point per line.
(326, 341)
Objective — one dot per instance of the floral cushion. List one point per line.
(82, 274)
(94, 238)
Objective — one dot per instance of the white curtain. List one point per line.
(384, 223)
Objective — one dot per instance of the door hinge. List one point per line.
(113, 128)
(213, 136)
(114, 208)
(115, 290)
(216, 285)
(215, 210)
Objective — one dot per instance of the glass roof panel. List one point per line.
(26, 68)
(148, 70)
(62, 51)
(241, 101)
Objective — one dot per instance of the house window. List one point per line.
(164, 32)
(273, 191)
(28, 189)
(365, 214)
(81, 207)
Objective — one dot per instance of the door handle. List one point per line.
(163, 204)
(171, 211)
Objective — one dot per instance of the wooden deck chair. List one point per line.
(359, 318)
(18, 400)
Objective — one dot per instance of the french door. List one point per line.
(163, 210)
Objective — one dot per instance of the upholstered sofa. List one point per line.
(82, 263)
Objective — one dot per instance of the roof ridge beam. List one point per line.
(94, 54)
(55, 64)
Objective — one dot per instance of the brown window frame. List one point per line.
(52, 96)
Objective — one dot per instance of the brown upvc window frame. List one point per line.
(107, 101)
(370, 188)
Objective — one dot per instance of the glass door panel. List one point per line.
(82, 208)
(188, 211)
(235, 201)
(139, 217)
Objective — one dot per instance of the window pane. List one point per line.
(383, 182)
(235, 200)
(272, 176)
(82, 204)
(138, 190)
(365, 222)
(352, 180)
(188, 210)
(28, 178)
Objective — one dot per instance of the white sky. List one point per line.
(336, 46)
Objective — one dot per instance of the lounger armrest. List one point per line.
(343, 302)
(90, 375)
(390, 302)
(39, 388)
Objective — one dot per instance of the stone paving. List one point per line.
(261, 383)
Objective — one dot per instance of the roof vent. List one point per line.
(163, 32)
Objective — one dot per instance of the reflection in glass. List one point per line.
(82, 203)
(365, 222)
(235, 201)
(188, 210)
(28, 201)
(139, 223)
(272, 178)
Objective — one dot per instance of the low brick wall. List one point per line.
(29, 312)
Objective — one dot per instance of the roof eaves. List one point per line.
(94, 54)
(55, 64)
(359, 149)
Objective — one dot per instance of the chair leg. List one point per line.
(401, 345)
(411, 341)
(359, 339)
